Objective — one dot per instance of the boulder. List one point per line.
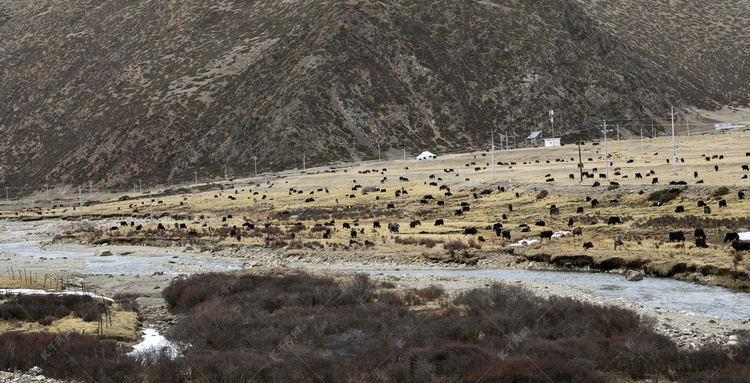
(103, 253)
(634, 276)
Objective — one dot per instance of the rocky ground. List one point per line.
(26, 377)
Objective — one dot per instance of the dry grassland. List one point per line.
(644, 230)
(124, 326)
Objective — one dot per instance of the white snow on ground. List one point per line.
(42, 292)
(152, 344)
(557, 234)
(525, 242)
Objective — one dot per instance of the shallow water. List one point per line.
(664, 293)
(114, 264)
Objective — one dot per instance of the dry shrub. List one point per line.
(720, 192)
(317, 228)
(45, 308)
(474, 244)
(296, 228)
(431, 292)
(665, 195)
(738, 256)
(297, 327)
(428, 242)
(405, 241)
(275, 243)
(455, 245)
(390, 298)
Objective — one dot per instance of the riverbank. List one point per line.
(687, 329)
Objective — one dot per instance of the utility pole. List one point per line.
(6, 195)
(674, 150)
(196, 177)
(379, 160)
(47, 186)
(642, 151)
(255, 160)
(151, 205)
(404, 162)
(552, 121)
(140, 186)
(134, 187)
(493, 153)
(618, 132)
(304, 168)
(506, 141)
(606, 156)
(687, 121)
(266, 174)
(580, 160)
(653, 132)
(80, 202)
(91, 190)
(225, 171)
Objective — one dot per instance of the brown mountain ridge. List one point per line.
(112, 91)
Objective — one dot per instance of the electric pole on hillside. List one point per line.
(47, 186)
(687, 122)
(255, 160)
(493, 154)
(618, 132)
(379, 160)
(267, 199)
(606, 157)
(225, 171)
(674, 150)
(552, 121)
(580, 160)
(304, 166)
(196, 177)
(91, 190)
(140, 186)
(6, 195)
(642, 150)
(80, 202)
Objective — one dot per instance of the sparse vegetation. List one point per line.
(297, 327)
(665, 195)
(45, 308)
(723, 190)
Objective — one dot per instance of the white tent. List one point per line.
(426, 155)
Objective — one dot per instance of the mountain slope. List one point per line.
(111, 91)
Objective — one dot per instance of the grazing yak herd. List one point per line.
(505, 233)
(443, 204)
(464, 207)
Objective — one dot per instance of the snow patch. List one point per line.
(44, 292)
(153, 343)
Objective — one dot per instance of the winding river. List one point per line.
(664, 293)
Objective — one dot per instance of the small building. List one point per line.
(551, 142)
